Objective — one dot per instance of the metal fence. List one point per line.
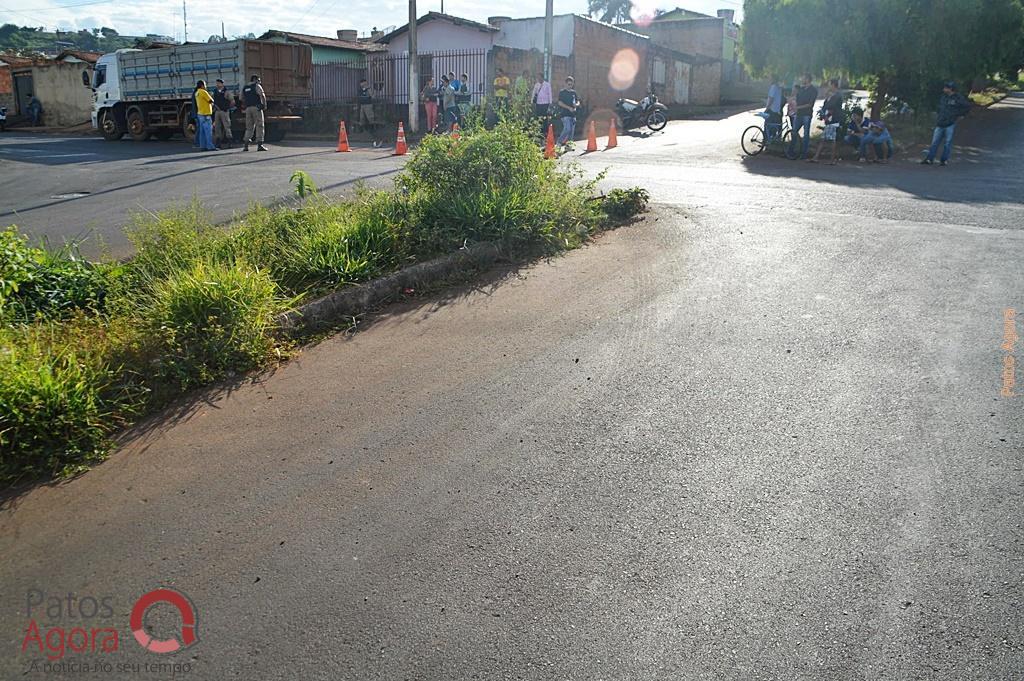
(388, 76)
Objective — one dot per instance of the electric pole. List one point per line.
(184, 16)
(414, 72)
(549, 32)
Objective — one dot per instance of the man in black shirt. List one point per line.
(832, 117)
(568, 102)
(806, 96)
(221, 115)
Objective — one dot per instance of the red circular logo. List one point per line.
(188, 621)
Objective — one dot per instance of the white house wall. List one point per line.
(528, 34)
(441, 36)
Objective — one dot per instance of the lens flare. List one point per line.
(625, 66)
(642, 12)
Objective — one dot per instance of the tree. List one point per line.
(610, 11)
(216, 39)
(903, 48)
(109, 32)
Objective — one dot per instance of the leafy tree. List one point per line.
(610, 11)
(109, 32)
(902, 48)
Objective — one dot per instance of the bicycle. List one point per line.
(756, 138)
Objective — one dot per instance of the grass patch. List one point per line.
(86, 347)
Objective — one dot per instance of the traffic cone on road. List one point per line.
(592, 137)
(455, 131)
(613, 137)
(342, 137)
(549, 145)
(401, 148)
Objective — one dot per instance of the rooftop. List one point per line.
(321, 41)
(434, 16)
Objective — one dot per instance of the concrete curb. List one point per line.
(353, 300)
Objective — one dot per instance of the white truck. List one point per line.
(148, 93)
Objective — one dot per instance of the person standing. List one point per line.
(832, 117)
(367, 116)
(462, 98)
(806, 96)
(429, 98)
(568, 103)
(451, 109)
(773, 107)
(35, 110)
(255, 101)
(204, 115)
(952, 107)
(542, 102)
(221, 115)
(501, 87)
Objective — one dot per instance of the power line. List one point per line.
(58, 8)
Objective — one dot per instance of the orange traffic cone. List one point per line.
(455, 131)
(592, 137)
(342, 137)
(549, 145)
(613, 137)
(401, 148)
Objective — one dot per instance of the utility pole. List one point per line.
(184, 16)
(223, 36)
(414, 72)
(549, 38)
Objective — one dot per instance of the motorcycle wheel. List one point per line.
(657, 121)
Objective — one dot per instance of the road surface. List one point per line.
(86, 189)
(758, 436)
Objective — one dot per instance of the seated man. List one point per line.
(878, 136)
(857, 128)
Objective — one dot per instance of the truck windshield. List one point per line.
(101, 75)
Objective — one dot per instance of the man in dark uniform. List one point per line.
(255, 101)
(222, 115)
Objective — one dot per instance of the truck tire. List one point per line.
(137, 126)
(108, 126)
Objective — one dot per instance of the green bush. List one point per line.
(622, 204)
(59, 402)
(212, 320)
(41, 283)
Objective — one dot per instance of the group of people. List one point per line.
(451, 98)
(870, 136)
(213, 115)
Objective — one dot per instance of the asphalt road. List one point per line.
(758, 436)
(86, 189)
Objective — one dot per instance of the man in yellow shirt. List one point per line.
(501, 86)
(204, 117)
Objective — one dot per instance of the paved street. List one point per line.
(757, 436)
(86, 188)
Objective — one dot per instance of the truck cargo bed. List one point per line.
(172, 72)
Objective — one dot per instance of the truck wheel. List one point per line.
(137, 127)
(108, 127)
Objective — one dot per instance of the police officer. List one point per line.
(222, 115)
(255, 101)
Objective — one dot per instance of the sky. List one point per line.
(317, 17)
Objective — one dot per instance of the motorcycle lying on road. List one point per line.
(648, 111)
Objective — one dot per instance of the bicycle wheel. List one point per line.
(752, 140)
(788, 148)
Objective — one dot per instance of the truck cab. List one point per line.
(107, 107)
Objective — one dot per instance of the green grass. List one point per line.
(86, 347)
